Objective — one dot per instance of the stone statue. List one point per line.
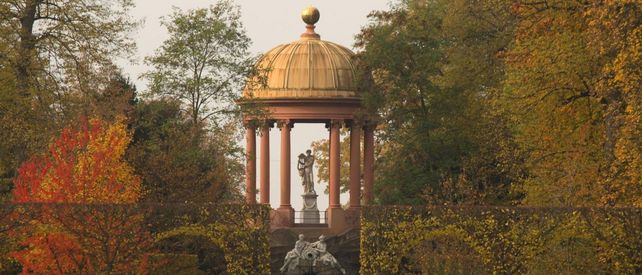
(314, 253)
(324, 257)
(305, 165)
(293, 256)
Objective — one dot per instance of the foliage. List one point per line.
(65, 44)
(138, 238)
(505, 102)
(73, 238)
(55, 58)
(570, 73)
(503, 240)
(175, 165)
(434, 70)
(83, 166)
(203, 61)
(116, 100)
(241, 231)
(22, 131)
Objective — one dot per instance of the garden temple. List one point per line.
(308, 81)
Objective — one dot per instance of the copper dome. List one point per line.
(306, 68)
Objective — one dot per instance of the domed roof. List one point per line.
(306, 68)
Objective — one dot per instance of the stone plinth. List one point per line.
(310, 211)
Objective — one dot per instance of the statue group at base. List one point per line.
(316, 253)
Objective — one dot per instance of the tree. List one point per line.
(54, 57)
(203, 62)
(83, 165)
(435, 69)
(570, 74)
(474, 34)
(177, 166)
(63, 43)
(616, 28)
(116, 100)
(99, 232)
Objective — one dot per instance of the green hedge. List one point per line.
(145, 237)
(501, 240)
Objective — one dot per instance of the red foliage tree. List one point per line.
(83, 165)
(83, 219)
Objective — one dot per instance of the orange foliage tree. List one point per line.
(80, 196)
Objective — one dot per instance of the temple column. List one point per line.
(335, 163)
(368, 163)
(250, 164)
(265, 164)
(285, 126)
(355, 165)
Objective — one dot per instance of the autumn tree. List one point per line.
(570, 77)
(54, 57)
(203, 62)
(616, 28)
(87, 224)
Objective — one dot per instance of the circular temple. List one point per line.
(310, 15)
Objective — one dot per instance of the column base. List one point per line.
(340, 220)
(336, 218)
(282, 217)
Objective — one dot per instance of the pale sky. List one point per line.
(268, 23)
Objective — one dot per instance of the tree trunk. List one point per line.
(27, 46)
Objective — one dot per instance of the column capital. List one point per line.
(247, 124)
(369, 124)
(285, 122)
(335, 123)
(264, 127)
(353, 123)
(265, 124)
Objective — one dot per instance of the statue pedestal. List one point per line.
(310, 212)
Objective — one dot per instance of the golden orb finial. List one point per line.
(310, 15)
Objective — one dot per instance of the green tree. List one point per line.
(116, 99)
(475, 33)
(203, 62)
(64, 44)
(434, 70)
(175, 165)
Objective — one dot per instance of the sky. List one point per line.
(268, 23)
